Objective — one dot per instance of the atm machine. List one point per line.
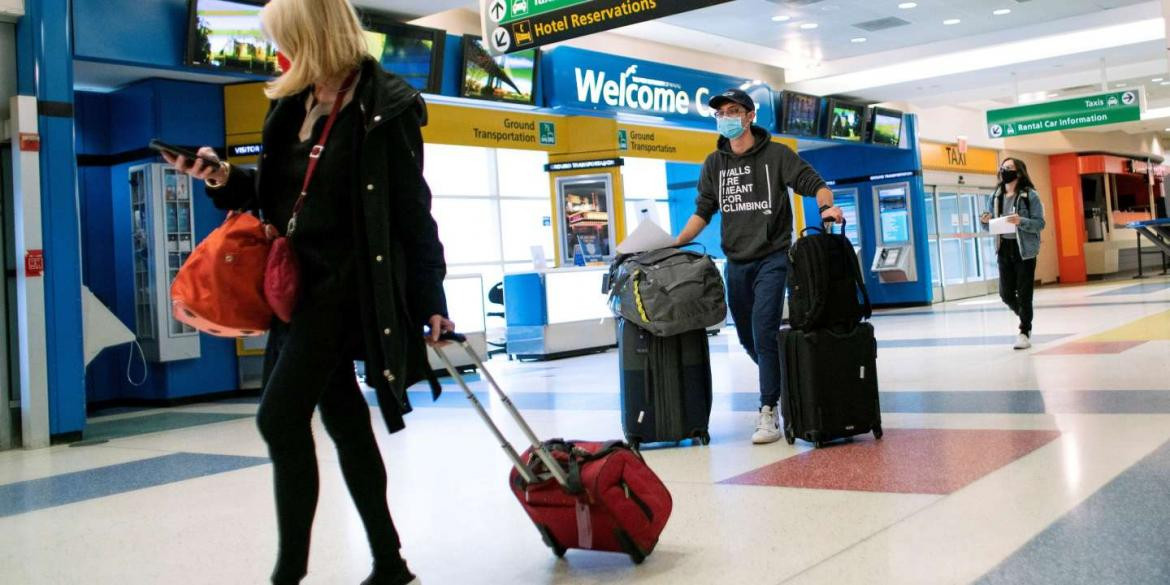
(846, 199)
(893, 259)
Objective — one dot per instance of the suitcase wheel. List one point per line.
(552, 543)
(704, 438)
(789, 437)
(630, 548)
(877, 433)
(818, 444)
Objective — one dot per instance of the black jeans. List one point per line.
(1017, 280)
(755, 293)
(315, 370)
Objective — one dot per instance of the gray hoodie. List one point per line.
(751, 190)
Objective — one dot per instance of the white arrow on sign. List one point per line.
(501, 40)
(497, 11)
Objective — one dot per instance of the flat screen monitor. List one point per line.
(800, 114)
(507, 78)
(414, 53)
(845, 121)
(885, 127)
(226, 36)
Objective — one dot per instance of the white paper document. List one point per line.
(647, 236)
(1000, 225)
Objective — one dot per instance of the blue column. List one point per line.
(45, 69)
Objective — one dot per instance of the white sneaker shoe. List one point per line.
(767, 427)
(1022, 342)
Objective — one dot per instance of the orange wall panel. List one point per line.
(1068, 213)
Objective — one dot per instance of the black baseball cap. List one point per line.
(738, 96)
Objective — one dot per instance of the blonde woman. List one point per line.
(372, 267)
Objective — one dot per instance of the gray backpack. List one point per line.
(668, 291)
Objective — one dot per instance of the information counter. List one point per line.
(558, 313)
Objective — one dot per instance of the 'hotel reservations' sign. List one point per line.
(516, 25)
(1094, 110)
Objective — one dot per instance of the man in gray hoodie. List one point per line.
(747, 179)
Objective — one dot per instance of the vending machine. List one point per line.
(163, 227)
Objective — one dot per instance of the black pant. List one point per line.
(315, 370)
(1017, 280)
(755, 293)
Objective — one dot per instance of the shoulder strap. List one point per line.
(315, 154)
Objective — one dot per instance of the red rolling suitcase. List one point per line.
(587, 495)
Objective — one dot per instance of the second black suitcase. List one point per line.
(666, 385)
(831, 389)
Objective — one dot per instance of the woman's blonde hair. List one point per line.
(322, 38)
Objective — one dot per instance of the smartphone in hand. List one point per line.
(160, 146)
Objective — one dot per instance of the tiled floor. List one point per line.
(1046, 466)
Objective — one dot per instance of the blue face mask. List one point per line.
(730, 127)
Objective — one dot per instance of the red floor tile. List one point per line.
(1091, 348)
(913, 461)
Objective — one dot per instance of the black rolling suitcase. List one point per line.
(830, 354)
(665, 385)
(831, 389)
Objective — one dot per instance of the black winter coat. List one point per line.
(401, 276)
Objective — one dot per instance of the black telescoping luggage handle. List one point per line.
(822, 229)
(550, 462)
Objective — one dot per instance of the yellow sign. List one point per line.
(488, 128)
(946, 157)
(245, 107)
(665, 143)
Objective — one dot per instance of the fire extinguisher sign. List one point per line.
(34, 263)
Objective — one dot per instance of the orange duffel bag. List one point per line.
(220, 288)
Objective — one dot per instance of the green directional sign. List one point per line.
(521, 9)
(1056, 116)
(518, 25)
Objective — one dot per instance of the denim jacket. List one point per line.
(1031, 211)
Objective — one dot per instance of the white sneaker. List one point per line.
(767, 427)
(1022, 342)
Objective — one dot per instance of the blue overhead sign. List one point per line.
(576, 79)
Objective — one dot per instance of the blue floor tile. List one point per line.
(1121, 534)
(69, 488)
(153, 423)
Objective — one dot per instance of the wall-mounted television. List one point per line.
(414, 53)
(885, 126)
(507, 78)
(225, 35)
(800, 114)
(845, 120)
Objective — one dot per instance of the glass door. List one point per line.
(962, 252)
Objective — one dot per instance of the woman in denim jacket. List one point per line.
(1017, 200)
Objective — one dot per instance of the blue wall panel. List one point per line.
(45, 69)
(682, 183)
(452, 65)
(181, 112)
(148, 33)
(134, 117)
(193, 113)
